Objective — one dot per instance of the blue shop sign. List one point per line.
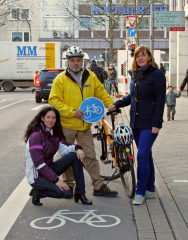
(127, 10)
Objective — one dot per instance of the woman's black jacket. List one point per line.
(147, 100)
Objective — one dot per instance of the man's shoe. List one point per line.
(149, 194)
(105, 191)
(168, 119)
(70, 193)
(172, 118)
(138, 200)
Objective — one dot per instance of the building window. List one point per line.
(115, 23)
(20, 14)
(99, 2)
(86, 21)
(144, 24)
(99, 23)
(56, 23)
(116, 1)
(20, 36)
(56, 2)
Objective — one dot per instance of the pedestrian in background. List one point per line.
(162, 68)
(69, 89)
(171, 102)
(113, 76)
(97, 70)
(36, 76)
(185, 80)
(147, 100)
(105, 74)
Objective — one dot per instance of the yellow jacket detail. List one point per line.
(66, 96)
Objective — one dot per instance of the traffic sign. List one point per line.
(169, 19)
(132, 32)
(95, 57)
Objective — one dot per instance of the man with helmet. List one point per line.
(69, 89)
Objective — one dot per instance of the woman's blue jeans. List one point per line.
(44, 188)
(145, 173)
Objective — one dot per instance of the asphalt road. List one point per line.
(18, 215)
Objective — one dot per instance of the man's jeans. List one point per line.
(45, 188)
(145, 172)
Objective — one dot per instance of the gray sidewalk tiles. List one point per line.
(166, 217)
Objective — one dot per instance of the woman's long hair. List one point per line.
(35, 124)
(143, 49)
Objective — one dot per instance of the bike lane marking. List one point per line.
(12, 104)
(13, 206)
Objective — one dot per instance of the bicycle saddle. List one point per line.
(113, 113)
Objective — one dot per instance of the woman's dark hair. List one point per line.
(35, 124)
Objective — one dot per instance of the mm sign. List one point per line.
(169, 19)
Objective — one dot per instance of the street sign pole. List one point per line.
(151, 25)
(105, 62)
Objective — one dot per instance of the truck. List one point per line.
(19, 62)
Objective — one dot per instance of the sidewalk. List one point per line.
(166, 217)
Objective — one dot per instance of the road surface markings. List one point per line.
(13, 206)
(36, 108)
(185, 180)
(12, 104)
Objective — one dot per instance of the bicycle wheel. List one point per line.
(104, 156)
(103, 221)
(46, 223)
(127, 173)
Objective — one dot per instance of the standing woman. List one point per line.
(147, 99)
(44, 137)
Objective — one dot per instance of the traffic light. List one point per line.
(132, 50)
(122, 69)
(108, 57)
(103, 56)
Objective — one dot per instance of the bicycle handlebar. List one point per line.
(113, 113)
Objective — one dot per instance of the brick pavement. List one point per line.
(166, 216)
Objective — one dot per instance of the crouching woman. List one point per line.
(44, 137)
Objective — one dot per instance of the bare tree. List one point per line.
(112, 16)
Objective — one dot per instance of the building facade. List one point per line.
(93, 25)
(178, 54)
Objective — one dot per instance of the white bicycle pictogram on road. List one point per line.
(89, 217)
(92, 109)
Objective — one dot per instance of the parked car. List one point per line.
(44, 83)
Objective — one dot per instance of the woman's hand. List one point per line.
(155, 130)
(62, 185)
(112, 107)
(80, 154)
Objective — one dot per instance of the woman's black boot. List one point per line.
(82, 198)
(35, 200)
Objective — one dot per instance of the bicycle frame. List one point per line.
(105, 125)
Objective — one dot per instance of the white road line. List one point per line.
(12, 104)
(13, 206)
(36, 108)
(3, 100)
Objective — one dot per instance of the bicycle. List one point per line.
(92, 109)
(116, 160)
(89, 217)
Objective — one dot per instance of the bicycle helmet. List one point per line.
(123, 134)
(74, 52)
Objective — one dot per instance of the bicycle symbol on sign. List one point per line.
(92, 109)
(89, 217)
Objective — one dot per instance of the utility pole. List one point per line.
(105, 60)
(151, 25)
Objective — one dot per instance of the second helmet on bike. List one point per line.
(123, 134)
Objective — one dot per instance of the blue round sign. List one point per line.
(93, 109)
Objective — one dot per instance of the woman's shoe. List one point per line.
(149, 194)
(82, 198)
(138, 200)
(35, 200)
